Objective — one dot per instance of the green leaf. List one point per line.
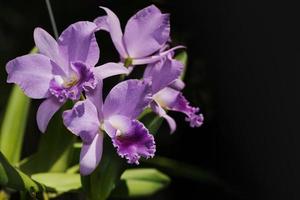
(176, 168)
(61, 182)
(74, 169)
(155, 124)
(103, 180)
(55, 151)
(140, 182)
(183, 57)
(15, 179)
(14, 124)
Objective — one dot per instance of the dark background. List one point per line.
(243, 72)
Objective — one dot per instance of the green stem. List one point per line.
(122, 77)
(52, 19)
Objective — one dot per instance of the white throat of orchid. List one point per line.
(112, 127)
(67, 82)
(120, 124)
(165, 98)
(158, 98)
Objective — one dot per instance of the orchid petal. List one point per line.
(109, 129)
(95, 96)
(166, 97)
(178, 84)
(102, 25)
(162, 113)
(154, 58)
(111, 24)
(117, 122)
(146, 32)
(163, 73)
(82, 120)
(32, 73)
(46, 111)
(174, 100)
(78, 43)
(132, 139)
(128, 98)
(110, 69)
(90, 155)
(182, 105)
(48, 46)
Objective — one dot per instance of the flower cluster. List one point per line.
(66, 70)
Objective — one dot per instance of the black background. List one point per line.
(243, 72)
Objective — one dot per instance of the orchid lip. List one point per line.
(160, 101)
(71, 86)
(66, 82)
(71, 81)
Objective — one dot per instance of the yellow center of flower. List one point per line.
(70, 81)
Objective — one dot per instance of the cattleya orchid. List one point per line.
(91, 118)
(166, 90)
(65, 70)
(62, 69)
(146, 33)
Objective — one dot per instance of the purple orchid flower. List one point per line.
(90, 118)
(166, 90)
(62, 69)
(145, 34)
